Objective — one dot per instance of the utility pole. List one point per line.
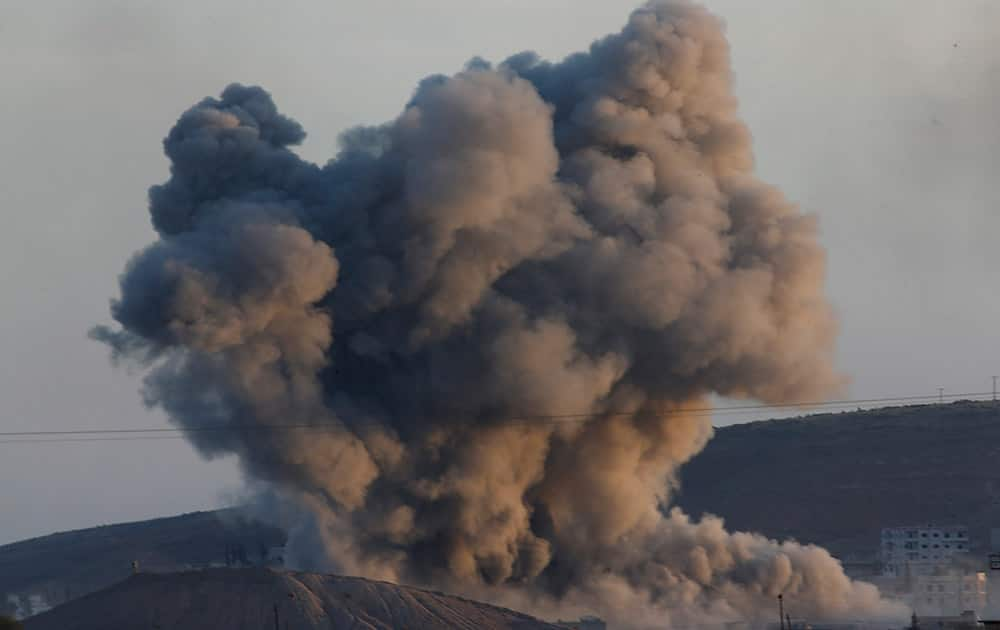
(276, 625)
(781, 611)
(292, 597)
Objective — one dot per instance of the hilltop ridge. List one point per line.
(260, 599)
(836, 479)
(832, 479)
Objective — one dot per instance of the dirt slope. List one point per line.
(244, 599)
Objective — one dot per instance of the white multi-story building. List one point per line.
(922, 549)
(949, 594)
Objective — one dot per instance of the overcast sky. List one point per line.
(877, 115)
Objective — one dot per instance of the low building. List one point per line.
(859, 566)
(948, 595)
(275, 557)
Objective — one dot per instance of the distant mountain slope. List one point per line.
(831, 479)
(67, 565)
(837, 479)
(244, 599)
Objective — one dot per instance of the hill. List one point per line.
(837, 479)
(246, 599)
(830, 479)
(47, 571)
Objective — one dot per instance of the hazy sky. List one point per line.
(877, 115)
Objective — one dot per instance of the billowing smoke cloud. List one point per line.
(496, 308)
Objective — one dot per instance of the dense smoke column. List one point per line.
(523, 242)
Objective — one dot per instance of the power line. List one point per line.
(63, 440)
(152, 433)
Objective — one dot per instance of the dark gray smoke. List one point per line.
(523, 242)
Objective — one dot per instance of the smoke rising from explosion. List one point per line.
(524, 241)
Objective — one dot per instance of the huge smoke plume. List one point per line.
(492, 312)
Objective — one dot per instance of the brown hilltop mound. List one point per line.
(244, 599)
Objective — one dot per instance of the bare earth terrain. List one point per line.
(245, 599)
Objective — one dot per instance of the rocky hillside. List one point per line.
(247, 599)
(837, 479)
